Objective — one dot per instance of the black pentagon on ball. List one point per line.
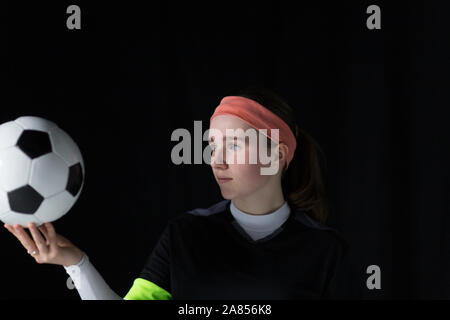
(75, 179)
(25, 200)
(34, 143)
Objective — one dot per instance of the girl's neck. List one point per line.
(260, 203)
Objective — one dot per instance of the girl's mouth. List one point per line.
(223, 180)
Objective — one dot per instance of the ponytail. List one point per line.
(302, 182)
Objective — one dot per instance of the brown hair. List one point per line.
(302, 183)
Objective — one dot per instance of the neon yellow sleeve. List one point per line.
(143, 289)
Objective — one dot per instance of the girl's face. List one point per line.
(246, 177)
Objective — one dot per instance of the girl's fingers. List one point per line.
(19, 232)
(56, 238)
(51, 235)
(11, 229)
(38, 239)
(44, 232)
(50, 231)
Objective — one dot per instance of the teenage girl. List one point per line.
(266, 239)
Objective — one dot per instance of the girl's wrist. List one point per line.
(74, 257)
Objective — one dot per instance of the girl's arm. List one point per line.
(89, 282)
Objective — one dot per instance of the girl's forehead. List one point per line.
(225, 121)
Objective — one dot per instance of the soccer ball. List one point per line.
(41, 171)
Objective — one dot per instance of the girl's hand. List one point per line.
(45, 245)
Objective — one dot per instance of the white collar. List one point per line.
(269, 221)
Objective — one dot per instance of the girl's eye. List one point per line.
(234, 147)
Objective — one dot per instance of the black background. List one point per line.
(375, 100)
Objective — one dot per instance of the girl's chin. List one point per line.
(227, 194)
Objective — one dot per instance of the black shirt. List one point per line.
(205, 254)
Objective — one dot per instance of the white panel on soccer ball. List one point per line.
(35, 123)
(9, 134)
(55, 207)
(49, 174)
(4, 203)
(19, 218)
(14, 168)
(64, 146)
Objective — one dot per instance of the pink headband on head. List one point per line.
(258, 117)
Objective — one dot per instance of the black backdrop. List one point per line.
(375, 100)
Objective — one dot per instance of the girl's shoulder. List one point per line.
(306, 222)
(197, 214)
(212, 209)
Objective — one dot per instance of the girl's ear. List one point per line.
(282, 153)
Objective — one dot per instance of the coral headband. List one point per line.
(258, 117)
